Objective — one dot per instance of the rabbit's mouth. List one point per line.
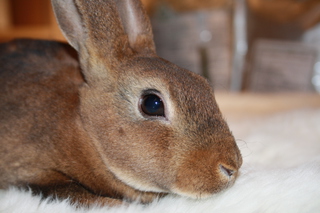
(197, 190)
(201, 175)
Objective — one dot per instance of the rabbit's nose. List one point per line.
(226, 171)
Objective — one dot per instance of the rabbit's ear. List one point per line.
(69, 21)
(106, 27)
(136, 24)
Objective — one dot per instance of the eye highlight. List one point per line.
(152, 105)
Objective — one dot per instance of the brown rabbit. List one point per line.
(119, 124)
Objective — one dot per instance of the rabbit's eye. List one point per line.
(152, 105)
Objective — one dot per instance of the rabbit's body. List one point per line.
(92, 133)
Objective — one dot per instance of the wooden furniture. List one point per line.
(32, 20)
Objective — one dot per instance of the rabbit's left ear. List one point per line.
(136, 24)
(69, 21)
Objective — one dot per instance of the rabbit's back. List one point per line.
(37, 61)
(39, 83)
(37, 78)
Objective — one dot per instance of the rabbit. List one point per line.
(105, 120)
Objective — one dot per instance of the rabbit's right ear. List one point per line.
(112, 27)
(106, 33)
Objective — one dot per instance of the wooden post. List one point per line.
(5, 15)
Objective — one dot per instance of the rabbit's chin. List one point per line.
(136, 183)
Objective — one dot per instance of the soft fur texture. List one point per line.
(281, 173)
(290, 190)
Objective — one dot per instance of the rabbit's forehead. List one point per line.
(148, 72)
(167, 78)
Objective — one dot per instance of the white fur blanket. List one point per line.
(281, 173)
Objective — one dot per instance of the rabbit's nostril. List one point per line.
(226, 171)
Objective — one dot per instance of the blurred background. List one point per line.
(239, 45)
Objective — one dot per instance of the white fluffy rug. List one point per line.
(281, 173)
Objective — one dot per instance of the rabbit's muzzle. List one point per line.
(204, 173)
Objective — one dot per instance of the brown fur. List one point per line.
(78, 132)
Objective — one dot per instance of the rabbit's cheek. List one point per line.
(132, 154)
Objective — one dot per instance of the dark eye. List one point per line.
(152, 105)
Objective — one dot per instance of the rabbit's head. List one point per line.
(156, 126)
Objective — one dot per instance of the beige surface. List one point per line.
(245, 112)
(241, 105)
